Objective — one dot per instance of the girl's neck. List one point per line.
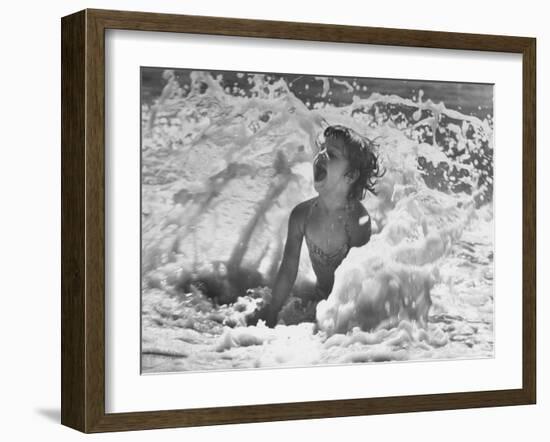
(332, 203)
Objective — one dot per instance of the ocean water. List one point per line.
(224, 162)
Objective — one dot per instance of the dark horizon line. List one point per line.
(316, 75)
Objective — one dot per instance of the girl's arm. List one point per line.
(289, 265)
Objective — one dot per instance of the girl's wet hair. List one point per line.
(359, 151)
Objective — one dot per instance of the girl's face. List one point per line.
(330, 166)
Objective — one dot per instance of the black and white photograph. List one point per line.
(293, 220)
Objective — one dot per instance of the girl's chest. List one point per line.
(329, 234)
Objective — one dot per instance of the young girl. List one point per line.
(331, 223)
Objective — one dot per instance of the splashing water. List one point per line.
(222, 166)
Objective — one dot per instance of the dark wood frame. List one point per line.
(83, 220)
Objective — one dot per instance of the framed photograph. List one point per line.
(271, 220)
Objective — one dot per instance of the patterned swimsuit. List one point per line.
(325, 263)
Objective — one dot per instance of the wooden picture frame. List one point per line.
(83, 220)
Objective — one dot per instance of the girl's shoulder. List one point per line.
(358, 210)
(360, 226)
(303, 208)
(301, 212)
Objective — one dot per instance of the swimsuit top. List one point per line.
(325, 263)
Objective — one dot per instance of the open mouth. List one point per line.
(319, 171)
